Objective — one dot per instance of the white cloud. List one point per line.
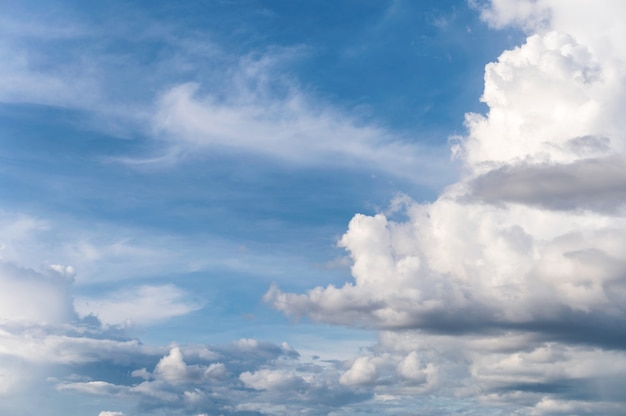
(267, 379)
(413, 368)
(141, 305)
(577, 94)
(458, 260)
(43, 345)
(93, 387)
(88, 254)
(173, 369)
(30, 297)
(287, 126)
(595, 24)
(362, 371)
(527, 245)
(109, 413)
(105, 252)
(232, 379)
(530, 14)
(512, 371)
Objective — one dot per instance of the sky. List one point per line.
(276, 208)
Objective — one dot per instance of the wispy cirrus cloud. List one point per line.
(271, 117)
(195, 98)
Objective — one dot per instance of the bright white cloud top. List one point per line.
(150, 291)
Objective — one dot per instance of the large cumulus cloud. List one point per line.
(528, 245)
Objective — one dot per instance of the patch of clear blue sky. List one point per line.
(412, 67)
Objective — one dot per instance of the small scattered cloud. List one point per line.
(266, 379)
(143, 305)
(362, 372)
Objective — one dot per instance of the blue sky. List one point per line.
(317, 208)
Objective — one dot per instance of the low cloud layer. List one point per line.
(246, 377)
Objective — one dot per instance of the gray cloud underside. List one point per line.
(594, 184)
(553, 322)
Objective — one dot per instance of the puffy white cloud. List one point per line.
(34, 347)
(41, 335)
(595, 24)
(530, 14)
(173, 369)
(413, 368)
(512, 282)
(362, 371)
(266, 379)
(514, 371)
(109, 413)
(459, 259)
(578, 93)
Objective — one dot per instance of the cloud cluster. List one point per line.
(511, 285)
(42, 336)
(244, 377)
(47, 347)
(57, 345)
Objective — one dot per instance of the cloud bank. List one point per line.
(510, 287)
